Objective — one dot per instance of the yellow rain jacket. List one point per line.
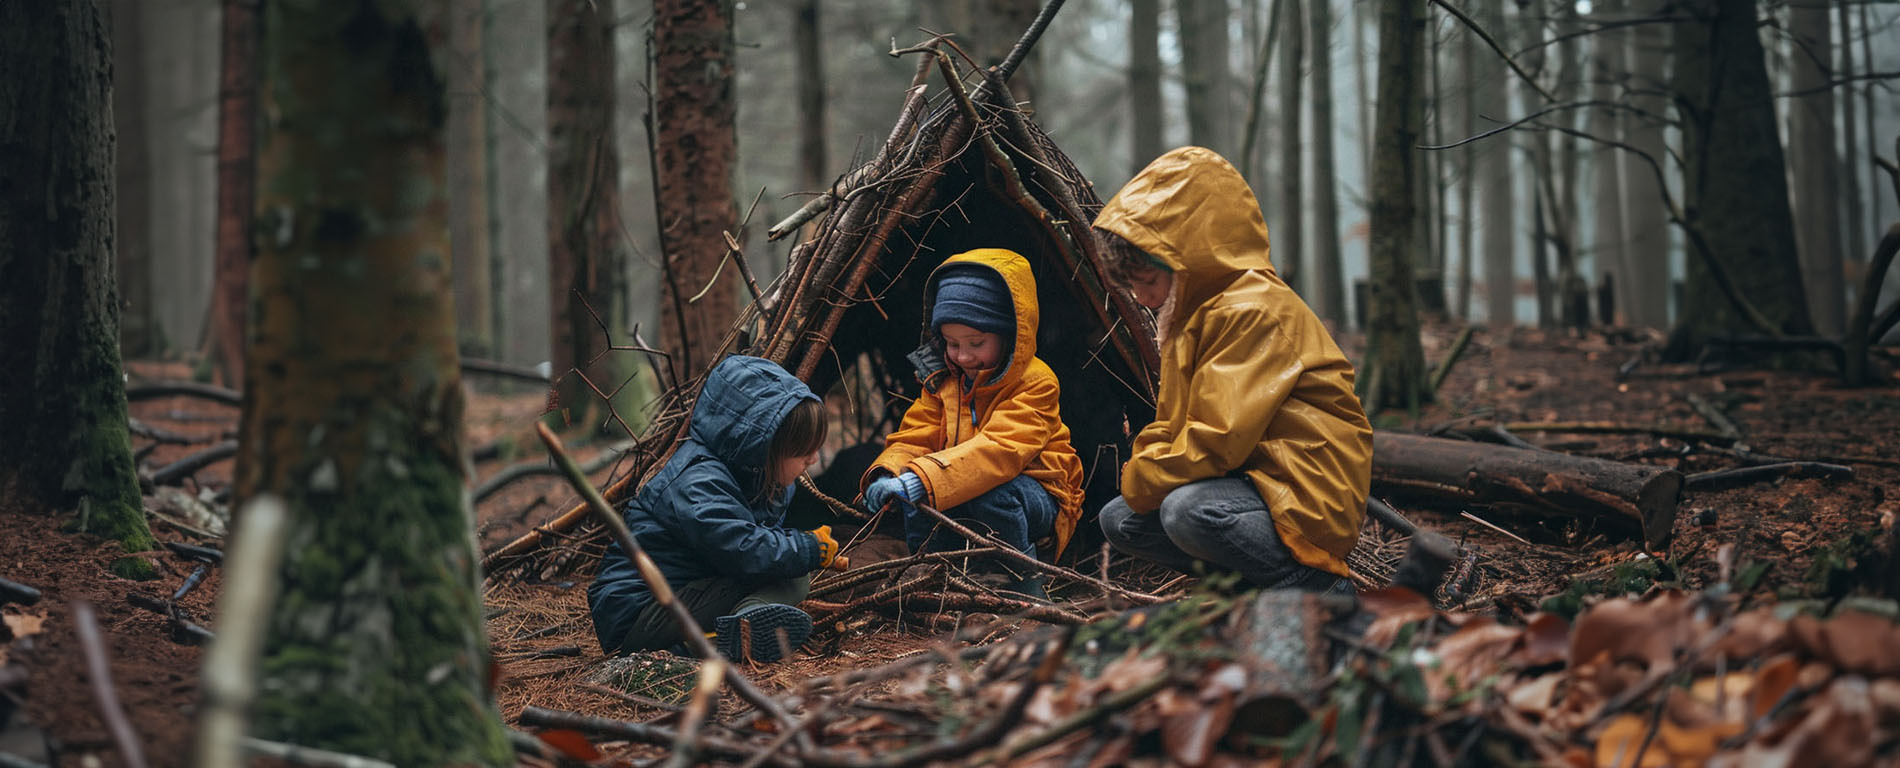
(1251, 383)
(964, 443)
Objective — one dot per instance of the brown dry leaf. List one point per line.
(1132, 669)
(1712, 699)
(1772, 681)
(1646, 632)
(875, 722)
(1856, 641)
(1475, 651)
(1886, 695)
(23, 624)
(1751, 635)
(1839, 731)
(1546, 638)
(1534, 698)
(1190, 727)
(1394, 608)
(1620, 739)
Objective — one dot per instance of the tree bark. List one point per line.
(1638, 497)
(237, 177)
(517, 53)
(1645, 223)
(1857, 229)
(473, 268)
(1735, 190)
(1328, 267)
(1209, 79)
(62, 399)
(132, 181)
(1493, 174)
(1816, 182)
(1395, 359)
(696, 142)
(585, 270)
(814, 169)
(1468, 170)
(1144, 82)
(1288, 231)
(354, 416)
(1608, 241)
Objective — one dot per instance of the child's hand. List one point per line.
(827, 546)
(883, 491)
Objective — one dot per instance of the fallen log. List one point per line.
(1627, 495)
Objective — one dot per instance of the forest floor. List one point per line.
(1778, 542)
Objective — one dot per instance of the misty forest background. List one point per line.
(1284, 88)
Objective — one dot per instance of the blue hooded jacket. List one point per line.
(706, 514)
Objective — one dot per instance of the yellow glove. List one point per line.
(827, 546)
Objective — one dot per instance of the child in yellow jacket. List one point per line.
(984, 442)
(1260, 455)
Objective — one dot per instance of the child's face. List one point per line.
(786, 471)
(1150, 286)
(970, 349)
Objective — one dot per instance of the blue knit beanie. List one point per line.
(974, 296)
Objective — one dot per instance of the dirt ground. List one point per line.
(1799, 538)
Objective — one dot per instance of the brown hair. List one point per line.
(1123, 258)
(801, 432)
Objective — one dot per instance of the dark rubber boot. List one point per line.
(753, 632)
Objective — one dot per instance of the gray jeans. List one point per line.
(1221, 522)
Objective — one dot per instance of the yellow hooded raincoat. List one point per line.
(1251, 383)
(964, 443)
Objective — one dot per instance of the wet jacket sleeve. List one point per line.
(921, 433)
(1243, 372)
(1015, 433)
(707, 515)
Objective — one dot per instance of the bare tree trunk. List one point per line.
(1360, 63)
(1816, 185)
(237, 178)
(62, 399)
(585, 269)
(1494, 179)
(1328, 267)
(1144, 81)
(1425, 231)
(1531, 28)
(814, 169)
(1467, 169)
(1257, 103)
(472, 257)
(1873, 139)
(1204, 66)
(1608, 240)
(1734, 181)
(132, 178)
(354, 413)
(1397, 375)
(518, 129)
(990, 28)
(1288, 231)
(1850, 149)
(1646, 251)
(696, 143)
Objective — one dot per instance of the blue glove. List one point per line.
(885, 490)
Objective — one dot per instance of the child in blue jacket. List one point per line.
(711, 520)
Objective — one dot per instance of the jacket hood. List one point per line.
(738, 412)
(1193, 211)
(1014, 269)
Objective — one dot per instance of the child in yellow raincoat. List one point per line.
(984, 442)
(1260, 455)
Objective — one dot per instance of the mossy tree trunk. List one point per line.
(696, 143)
(1395, 374)
(354, 410)
(1735, 189)
(62, 390)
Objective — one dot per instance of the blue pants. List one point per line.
(1221, 522)
(1018, 512)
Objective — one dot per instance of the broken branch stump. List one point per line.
(1637, 495)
